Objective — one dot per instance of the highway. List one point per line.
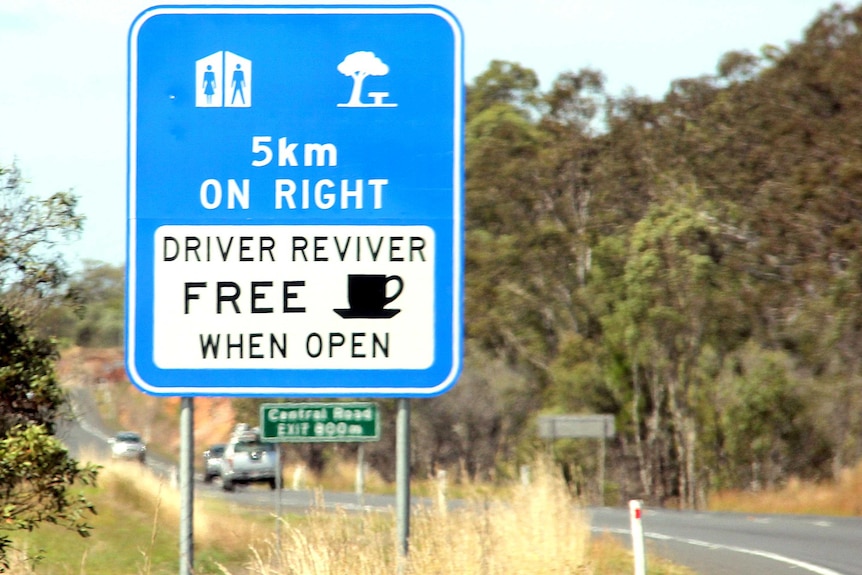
(85, 438)
(738, 544)
(709, 543)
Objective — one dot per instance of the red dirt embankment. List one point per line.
(124, 406)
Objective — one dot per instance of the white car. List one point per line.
(128, 445)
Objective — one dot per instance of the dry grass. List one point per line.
(156, 502)
(533, 530)
(842, 497)
(339, 475)
(525, 530)
(538, 530)
(138, 494)
(136, 531)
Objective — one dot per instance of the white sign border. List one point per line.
(457, 210)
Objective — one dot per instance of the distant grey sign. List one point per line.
(576, 426)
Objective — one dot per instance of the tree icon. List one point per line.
(360, 65)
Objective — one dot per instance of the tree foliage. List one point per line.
(690, 265)
(92, 313)
(31, 228)
(36, 472)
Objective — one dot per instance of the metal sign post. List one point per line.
(314, 422)
(279, 482)
(581, 426)
(187, 485)
(402, 481)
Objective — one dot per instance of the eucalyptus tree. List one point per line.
(676, 321)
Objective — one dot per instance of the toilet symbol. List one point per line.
(366, 294)
(238, 84)
(223, 80)
(209, 84)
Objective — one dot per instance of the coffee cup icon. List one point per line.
(366, 294)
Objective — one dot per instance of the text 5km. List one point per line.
(285, 153)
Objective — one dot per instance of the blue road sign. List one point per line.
(295, 201)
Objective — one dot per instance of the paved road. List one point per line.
(86, 438)
(710, 543)
(742, 544)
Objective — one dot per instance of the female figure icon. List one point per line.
(209, 84)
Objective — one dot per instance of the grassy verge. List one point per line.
(531, 530)
(524, 530)
(136, 532)
(841, 497)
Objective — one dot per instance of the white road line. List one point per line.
(765, 554)
(92, 430)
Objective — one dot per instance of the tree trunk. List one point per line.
(356, 93)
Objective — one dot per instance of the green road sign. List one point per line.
(316, 422)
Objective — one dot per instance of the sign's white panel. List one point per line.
(294, 297)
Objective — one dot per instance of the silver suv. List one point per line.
(247, 459)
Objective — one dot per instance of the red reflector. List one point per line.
(637, 513)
